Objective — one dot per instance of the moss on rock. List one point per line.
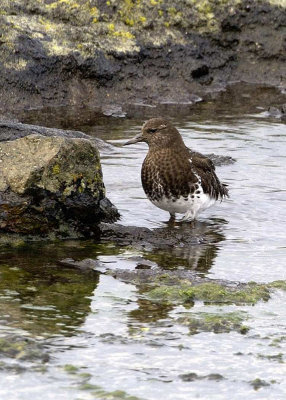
(50, 182)
(213, 292)
(97, 391)
(215, 322)
(21, 348)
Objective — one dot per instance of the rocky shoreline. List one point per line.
(98, 53)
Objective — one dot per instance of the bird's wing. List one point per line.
(201, 161)
(206, 169)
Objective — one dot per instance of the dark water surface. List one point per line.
(65, 334)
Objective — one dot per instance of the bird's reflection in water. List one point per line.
(197, 249)
(198, 257)
(148, 311)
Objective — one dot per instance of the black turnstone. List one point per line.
(175, 178)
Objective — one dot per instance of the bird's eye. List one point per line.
(151, 130)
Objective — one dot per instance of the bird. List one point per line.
(174, 177)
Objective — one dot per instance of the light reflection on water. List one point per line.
(108, 329)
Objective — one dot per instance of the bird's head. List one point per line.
(158, 133)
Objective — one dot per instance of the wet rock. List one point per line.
(275, 357)
(143, 266)
(50, 182)
(113, 52)
(192, 376)
(11, 130)
(99, 67)
(258, 383)
(189, 246)
(167, 237)
(274, 112)
(219, 160)
(113, 111)
(22, 348)
(147, 272)
(278, 112)
(86, 265)
(214, 322)
(171, 278)
(209, 292)
(185, 287)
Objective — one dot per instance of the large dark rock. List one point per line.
(50, 182)
(105, 52)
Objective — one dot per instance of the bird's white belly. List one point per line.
(189, 206)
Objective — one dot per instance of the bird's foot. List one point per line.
(172, 220)
(187, 218)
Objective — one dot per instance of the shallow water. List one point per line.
(89, 336)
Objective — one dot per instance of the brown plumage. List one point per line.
(174, 177)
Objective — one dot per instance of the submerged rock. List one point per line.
(258, 383)
(214, 322)
(278, 112)
(186, 287)
(192, 376)
(50, 182)
(22, 348)
(219, 160)
(167, 237)
(183, 286)
(87, 265)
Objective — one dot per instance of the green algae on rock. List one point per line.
(50, 163)
(20, 348)
(182, 286)
(258, 383)
(212, 293)
(70, 369)
(192, 376)
(215, 322)
(97, 391)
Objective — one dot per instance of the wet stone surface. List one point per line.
(22, 349)
(51, 183)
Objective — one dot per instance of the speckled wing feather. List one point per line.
(205, 168)
(201, 161)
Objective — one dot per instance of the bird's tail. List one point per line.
(224, 190)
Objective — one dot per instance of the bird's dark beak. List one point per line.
(136, 139)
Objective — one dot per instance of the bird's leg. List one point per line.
(188, 217)
(193, 223)
(172, 219)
